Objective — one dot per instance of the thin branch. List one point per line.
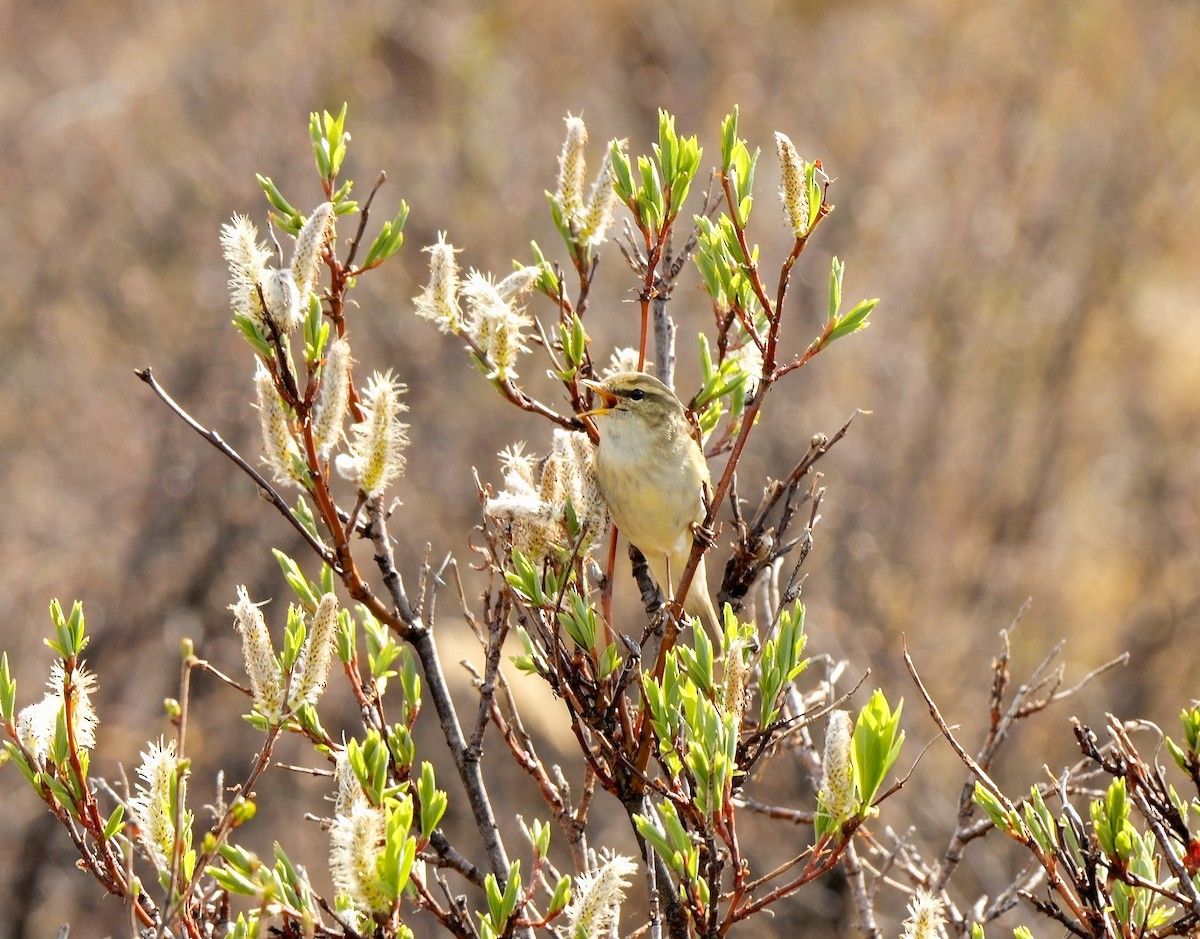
(146, 375)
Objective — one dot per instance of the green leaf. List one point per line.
(837, 269)
(650, 194)
(502, 905)
(254, 335)
(548, 281)
(668, 144)
(329, 141)
(14, 753)
(69, 631)
(115, 821)
(622, 171)
(347, 638)
(525, 580)
(610, 661)
(433, 801)
(233, 881)
(855, 320)
(292, 216)
(1040, 822)
(726, 380)
(389, 239)
(812, 194)
(780, 662)
(401, 746)
(296, 579)
(1002, 818)
(316, 330)
(1191, 727)
(8, 690)
(877, 743)
(395, 863)
(369, 761)
(293, 637)
(561, 897)
(651, 832)
(60, 792)
(578, 618)
(1110, 821)
(729, 129)
(539, 838)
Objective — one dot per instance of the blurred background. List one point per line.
(1018, 183)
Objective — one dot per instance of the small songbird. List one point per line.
(654, 477)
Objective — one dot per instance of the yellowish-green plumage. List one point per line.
(653, 476)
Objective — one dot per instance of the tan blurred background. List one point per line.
(1017, 181)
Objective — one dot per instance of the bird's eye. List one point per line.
(637, 394)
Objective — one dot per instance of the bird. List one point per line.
(655, 479)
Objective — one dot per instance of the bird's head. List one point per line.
(635, 395)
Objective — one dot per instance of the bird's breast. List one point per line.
(654, 491)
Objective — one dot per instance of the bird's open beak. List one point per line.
(608, 400)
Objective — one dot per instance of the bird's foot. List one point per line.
(706, 536)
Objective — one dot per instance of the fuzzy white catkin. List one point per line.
(793, 193)
(519, 282)
(624, 359)
(312, 669)
(283, 299)
(333, 398)
(438, 302)
(533, 504)
(737, 677)
(571, 169)
(279, 447)
(246, 258)
(37, 724)
(151, 806)
(597, 897)
(314, 234)
(355, 842)
(602, 201)
(837, 788)
(380, 438)
(349, 789)
(258, 657)
(926, 917)
(495, 325)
